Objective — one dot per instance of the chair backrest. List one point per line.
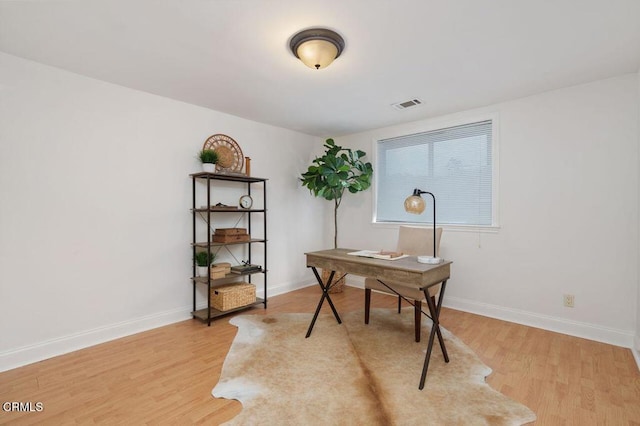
(418, 241)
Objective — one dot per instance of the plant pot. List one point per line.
(208, 167)
(203, 271)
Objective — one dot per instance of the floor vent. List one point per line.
(407, 104)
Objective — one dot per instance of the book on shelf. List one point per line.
(231, 231)
(379, 254)
(243, 269)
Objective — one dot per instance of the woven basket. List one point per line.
(233, 296)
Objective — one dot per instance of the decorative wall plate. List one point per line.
(230, 158)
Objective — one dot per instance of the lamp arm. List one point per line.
(419, 192)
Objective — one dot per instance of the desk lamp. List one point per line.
(415, 204)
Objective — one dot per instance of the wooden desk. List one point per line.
(407, 271)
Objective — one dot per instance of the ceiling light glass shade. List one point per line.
(317, 53)
(414, 204)
(317, 47)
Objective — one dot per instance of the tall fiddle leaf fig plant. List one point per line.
(339, 169)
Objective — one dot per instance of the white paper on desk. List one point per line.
(376, 255)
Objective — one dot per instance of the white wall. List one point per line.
(95, 223)
(95, 227)
(637, 339)
(568, 208)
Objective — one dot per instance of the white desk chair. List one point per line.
(415, 241)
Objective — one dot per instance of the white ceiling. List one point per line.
(233, 56)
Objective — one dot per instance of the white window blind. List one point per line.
(454, 163)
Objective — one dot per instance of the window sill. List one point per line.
(491, 229)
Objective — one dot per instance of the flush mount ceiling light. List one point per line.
(317, 47)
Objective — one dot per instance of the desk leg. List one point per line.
(435, 330)
(325, 295)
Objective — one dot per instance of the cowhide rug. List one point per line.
(356, 374)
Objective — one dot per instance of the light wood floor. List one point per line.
(165, 376)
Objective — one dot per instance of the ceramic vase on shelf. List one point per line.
(203, 271)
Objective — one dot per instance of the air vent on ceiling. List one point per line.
(407, 104)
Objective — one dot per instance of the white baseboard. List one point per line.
(54, 347)
(40, 351)
(286, 288)
(624, 338)
(50, 348)
(584, 330)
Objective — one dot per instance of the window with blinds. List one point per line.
(454, 163)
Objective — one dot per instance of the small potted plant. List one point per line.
(204, 260)
(209, 158)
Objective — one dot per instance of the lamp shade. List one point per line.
(317, 53)
(414, 204)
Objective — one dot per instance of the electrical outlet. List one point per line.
(568, 300)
